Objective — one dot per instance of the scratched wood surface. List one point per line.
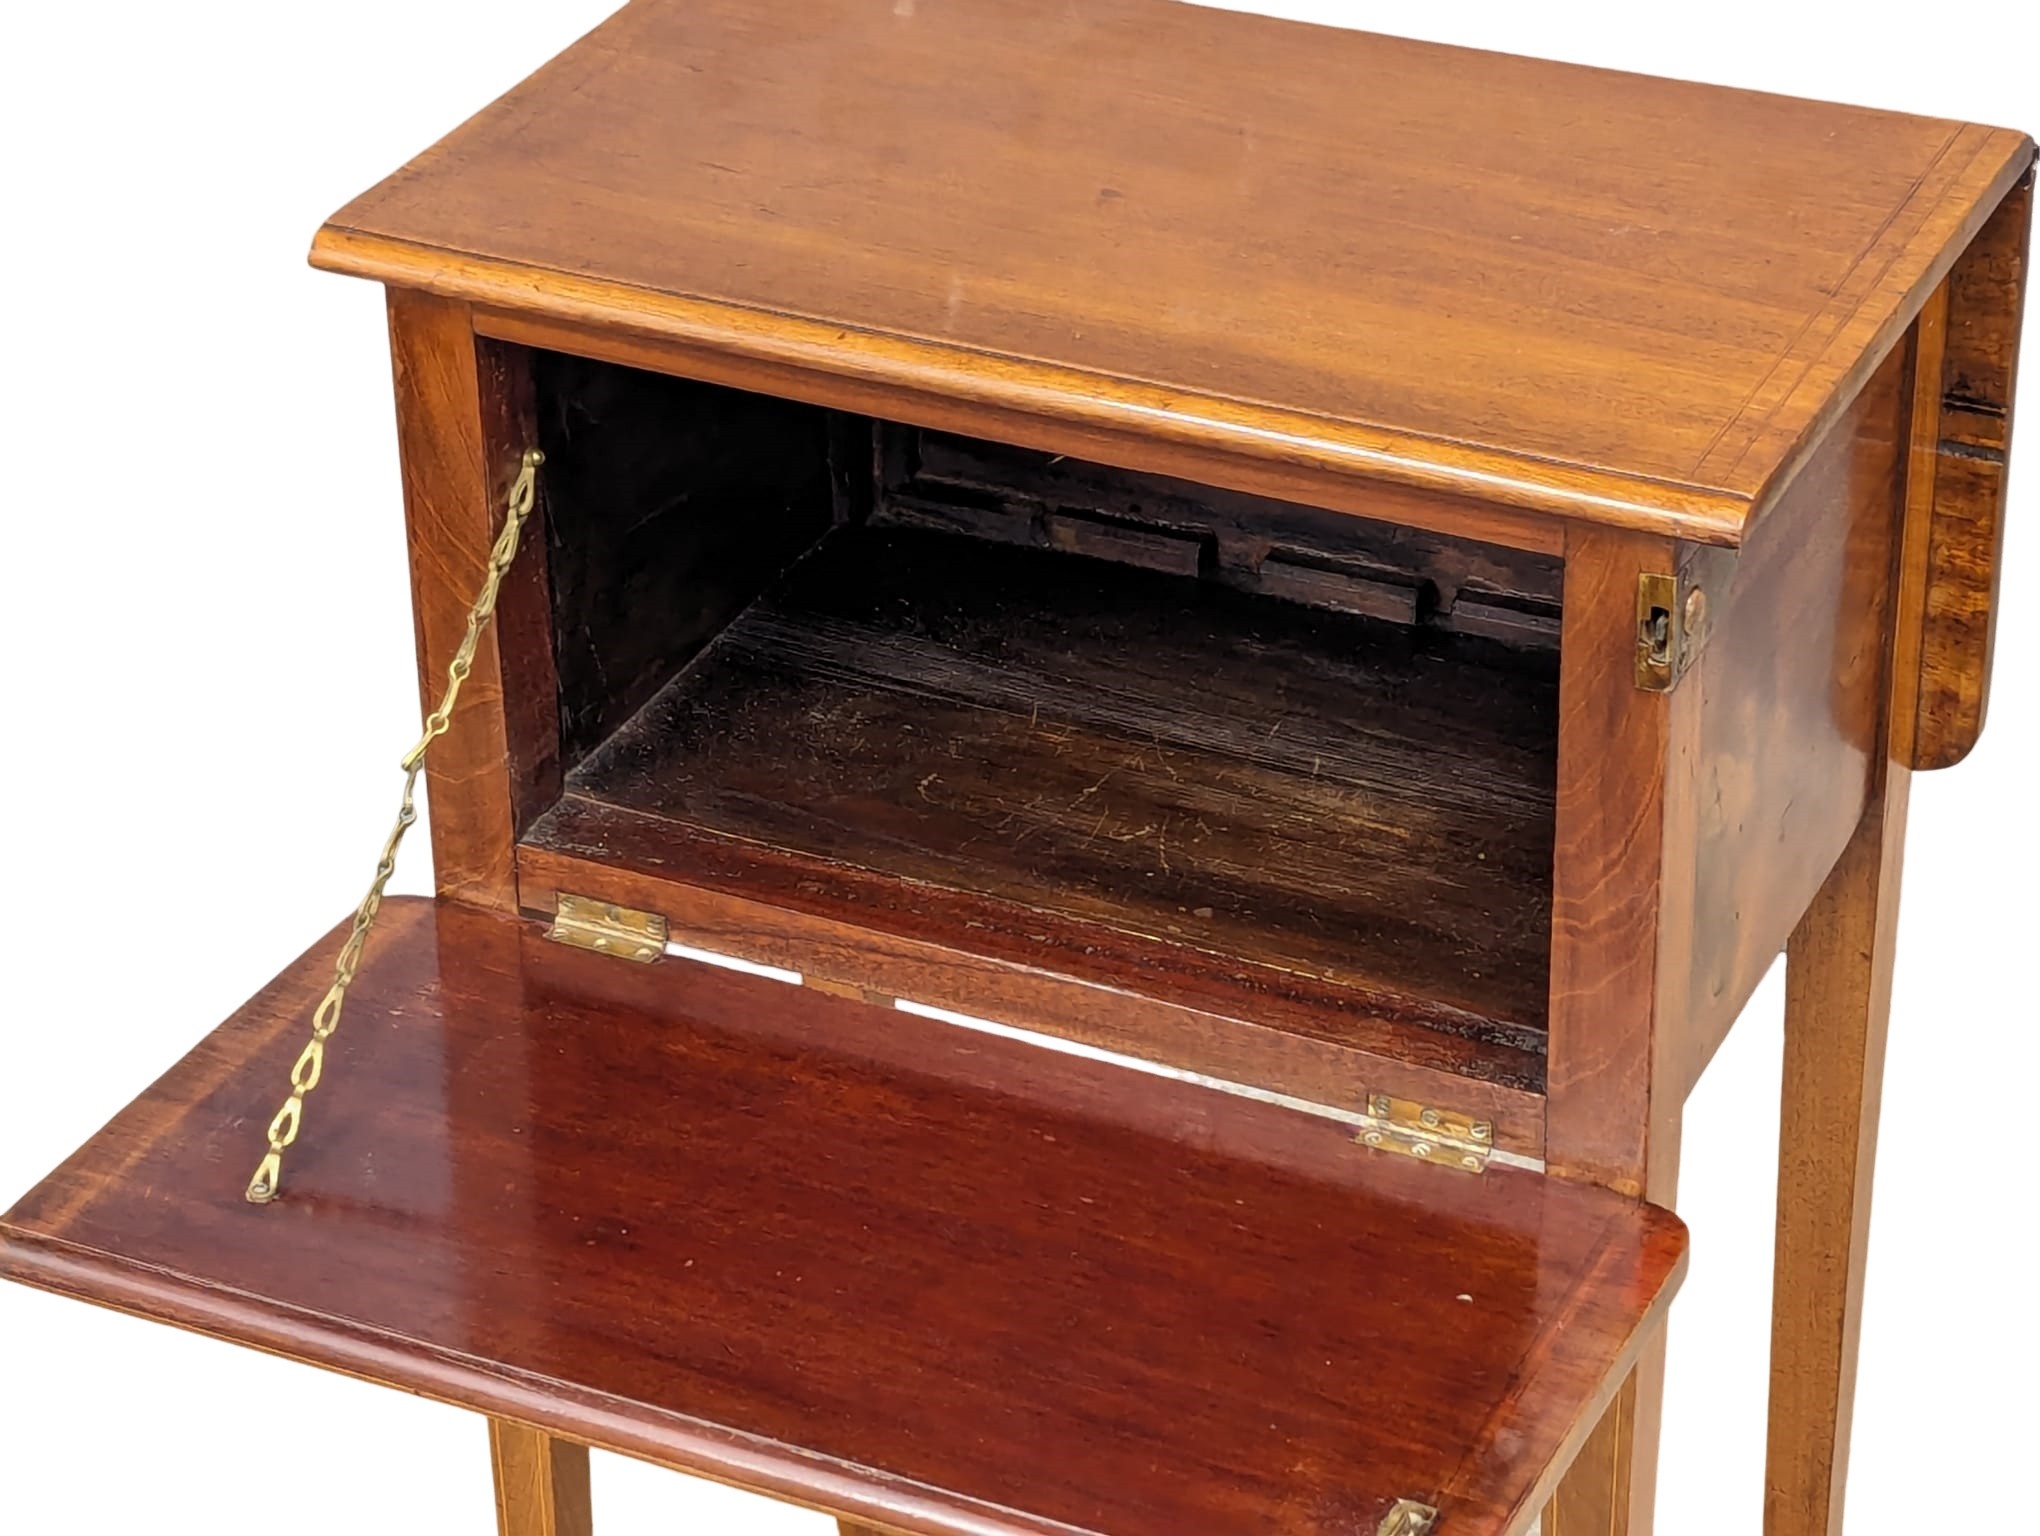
(1240, 777)
(869, 1262)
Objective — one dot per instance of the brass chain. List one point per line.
(311, 1062)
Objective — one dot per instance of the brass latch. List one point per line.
(1409, 1518)
(1669, 623)
(1439, 1136)
(1675, 614)
(604, 926)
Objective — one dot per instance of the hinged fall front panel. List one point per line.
(797, 1242)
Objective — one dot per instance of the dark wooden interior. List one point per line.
(673, 504)
(1298, 748)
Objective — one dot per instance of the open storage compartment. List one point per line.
(1263, 759)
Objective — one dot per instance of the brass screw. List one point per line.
(1696, 612)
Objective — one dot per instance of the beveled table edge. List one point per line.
(982, 392)
(801, 357)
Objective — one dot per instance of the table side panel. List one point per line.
(1791, 687)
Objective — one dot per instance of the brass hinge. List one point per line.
(1409, 1518)
(602, 925)
(1439, 1136)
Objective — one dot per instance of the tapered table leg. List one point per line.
(1837, 1006)
(541, 1483)
(1611, 1486)
(1837, 1010)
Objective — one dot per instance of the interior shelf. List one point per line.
(1267, 786)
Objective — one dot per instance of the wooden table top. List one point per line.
(856, 1258)
(1585, 293)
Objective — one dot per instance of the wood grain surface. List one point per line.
(1249, 779)
(1621, 929)
(1838, 975)
(1972, 446)
(1626, 300)
(542, 1486)
(1251, 1026)
(871, 1263)
(464, 411)
(1791, 691)
(670, 505)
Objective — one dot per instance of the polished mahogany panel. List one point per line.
(845, 1255)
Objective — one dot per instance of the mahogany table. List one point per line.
(1258, 634)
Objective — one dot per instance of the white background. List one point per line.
(210, 677)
